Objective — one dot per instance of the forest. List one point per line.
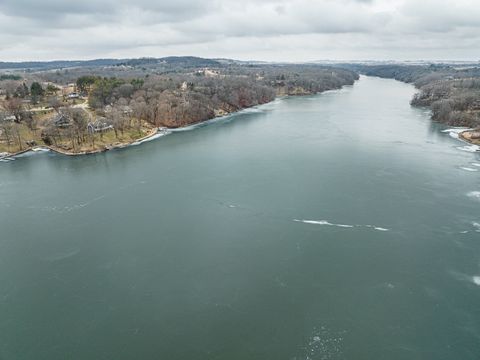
(179, 99)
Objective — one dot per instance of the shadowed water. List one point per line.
(339, 226)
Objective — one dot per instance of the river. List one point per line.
(344, 225)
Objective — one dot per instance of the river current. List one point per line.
(344, 225)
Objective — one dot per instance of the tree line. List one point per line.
(130, 101)
(179, 99)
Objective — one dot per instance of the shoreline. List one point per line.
(154, 132)
(471, 136)
(463, 135)
(7, 156)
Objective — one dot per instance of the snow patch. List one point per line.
(468, 169)
(323, 222)
(327, 223)
(474, 195)
(151, 138)
(455, 132)
(476, 225)
(469, 148)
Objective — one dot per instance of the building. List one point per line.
(62, 120)
(99, 125)
(73, 95)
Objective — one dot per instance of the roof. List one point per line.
(10, 118)
(61, 119)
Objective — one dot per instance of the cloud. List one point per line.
(56, 8)
(265, 29)
(442, 16)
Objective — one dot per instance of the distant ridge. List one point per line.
(184, 61)
(56, 64)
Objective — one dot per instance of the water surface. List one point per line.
(337, 226)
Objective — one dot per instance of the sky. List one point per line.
(270, 30)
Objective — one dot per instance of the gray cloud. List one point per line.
(34, 9)
(292, 30)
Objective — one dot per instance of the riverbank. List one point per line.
(467, 136)
(151, 133)
(67, 140)
(471, 136)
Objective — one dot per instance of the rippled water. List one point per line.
(339, 226)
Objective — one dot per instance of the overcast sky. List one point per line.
(278, 30)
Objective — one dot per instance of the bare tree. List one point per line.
(29, 119)
(55, 103)
(15, 107)
(6, 130)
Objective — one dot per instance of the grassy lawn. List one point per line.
(99, 141)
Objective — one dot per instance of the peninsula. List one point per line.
(87, 107)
